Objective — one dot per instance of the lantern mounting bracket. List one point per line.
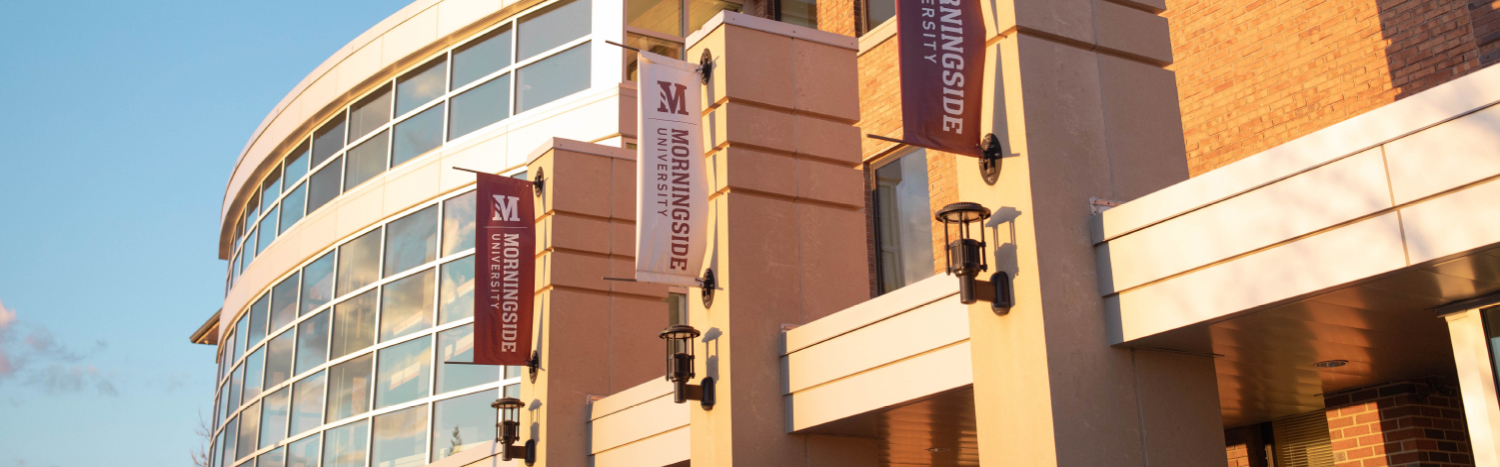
(708, 283)
(540, 184)
(534, 364)
(706, 66)
(989, 158)
(703, 393)
(997, 291)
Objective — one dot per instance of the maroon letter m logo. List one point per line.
(672, 100)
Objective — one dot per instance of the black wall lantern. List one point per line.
(679, 340)
(510, 431)
(966, 258)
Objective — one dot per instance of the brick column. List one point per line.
(1398, 424)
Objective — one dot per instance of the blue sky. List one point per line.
(122, 122)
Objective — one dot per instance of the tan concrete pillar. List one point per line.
(1086, 110)
(1476, 381)
(596, 337)
(789, 239)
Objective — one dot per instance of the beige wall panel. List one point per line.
(636, 354)
(1446, 156)
(637, 423)
(756, 232)
(360, 208)
(1134, 32)
(584, 117)
(829, 247)
(826, 139)
(750, 53)
(1177, 394)
(1329, 259)
(842, 451)
(741, 167)
(411, 35)
(283, 255)
(622, 240)
(622, 180)
(829, 183)
(665, 449)
(577, 233)
(871, 311)
(1430, 229)
(1339, 192)
(412, 184)
(1345, 138)
(628, 398)
(948, 368)
(568, 269)
(821, 83)
(317, 96)
(1143, 125)
(625, 267)
(573, 370)
(360, 66)
(742, 124)
(453, 15)
(585, 178)
(896, 338)
(1072, 19)
(317, 232)
(280, 129)
(487, 155)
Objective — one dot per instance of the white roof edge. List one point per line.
(1390, 122)
(868, 312)
(580, 147)
(774, 27)
(640, 394)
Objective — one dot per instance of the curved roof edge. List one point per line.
(379, 52)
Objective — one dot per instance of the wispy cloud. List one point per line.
(33, 356)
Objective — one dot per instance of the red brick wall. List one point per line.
(838, 16)
(1254, 74)
(1398, 424)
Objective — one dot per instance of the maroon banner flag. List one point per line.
(942, 73)
(504, 271)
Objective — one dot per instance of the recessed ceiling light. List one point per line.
(937, 449)
(1331, 363)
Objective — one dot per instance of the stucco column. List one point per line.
(788, 232)
(1085, 109)
(1476, 381)
(596, 337)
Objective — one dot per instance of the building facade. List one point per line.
(1243, 231)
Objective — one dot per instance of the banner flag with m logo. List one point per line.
(671, 228)
(504, 271)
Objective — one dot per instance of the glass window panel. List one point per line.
(242, 327)
(267, 231)
(479, 107)
(481, 57)
(458, 223)
(700, 11)
(461, 423)
(249, 247)
(405, 370)
(273, 417)
(903, 221)
(349, 388)
(276, 458)
(456, 346)
(513, 390)
(325, 185)
(400, 438)
(328, 140)
(317, 286)
(235, 380)
(296, 165)
(456, 299)
(879, 11)
(552, 27)
(224, 401)
(800, 13)
(346, 445)
(232, 347)
(257, 330)
(367, 160)
(303, 452)
(1491, 320)
(292, 206)
(370, 113)
(411, 241)
(353, 325)
(252, 209)
(230, 434)
(270, 190)
(406, 305)
(359, 262)
(663, 16)
(421, 86)
(312, 342)
(254, 367)
(552, 78)
(217, 452)
(249, 428)
(417, 135)
(512, 372)
(279, 359)
(649, 44)
(284, 301)
(307, 403)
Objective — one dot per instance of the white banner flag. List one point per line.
(671, 228)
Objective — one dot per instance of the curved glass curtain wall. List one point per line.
(517, 65)
(340, 363)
